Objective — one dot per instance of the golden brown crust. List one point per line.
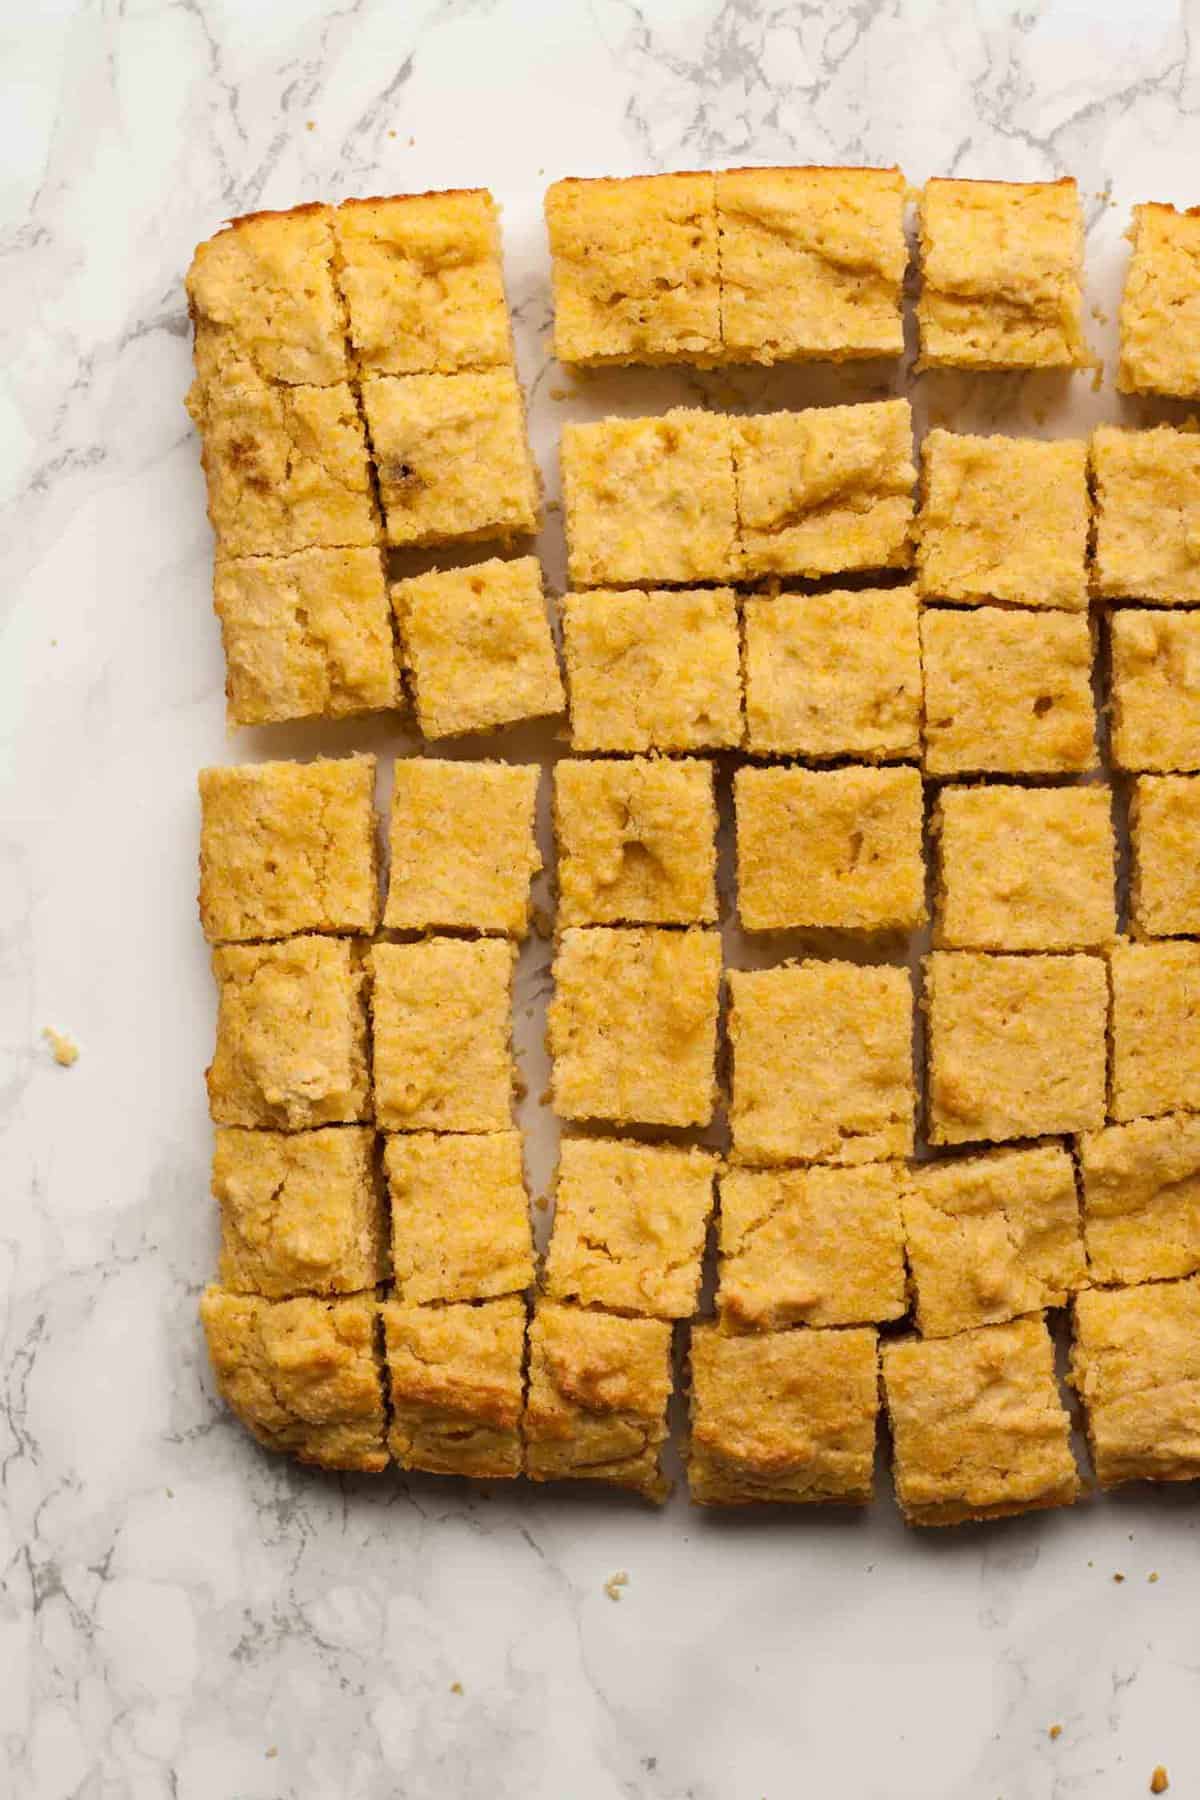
(456, 1386)
(460, 1216)
(463, 850)
(598, 1393)
(442, 1049)
(1136, 1366)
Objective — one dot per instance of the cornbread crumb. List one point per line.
(615, 1583)
(456, 1687)
(1155, 1029)
(1155, 689)
(63, 1049)
(1164, 827)
(597, 1402)
(1153, 1575)
(442, 1050)
(1055, 1731)
(1118, 1575)
(263, 300)
(636, 842)
(1135, 1364)
(1159, 1782)
(1160, 304)
(1147, 514)
(463, 851)
(454, 1377)
(460, 1216)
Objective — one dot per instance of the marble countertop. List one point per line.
(179, 1614)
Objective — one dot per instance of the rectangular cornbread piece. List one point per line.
(822, 1063)
(1003, 519)
(1001, 275)
(1147, 514)
(812, 263)
(978, 1429)
(1135, 1364)
(636, 842)
(991, 1237)
(1155, 689)
(1016, 1045)
(301, 1212)
(301, 1374)
(460, 1216)
(831, 675)
(1160, 304)
(478, 646)
(288, 847)
(810, 1246)
(442, 1039)
(455, 1377)
(597, 1403)
(836, 848)
(632, 1025)
(785, 1416)
(1155, 1028)
(1164, 829)
(653, 671)
(1141, 1199)
(629, 1226)
(463, 850)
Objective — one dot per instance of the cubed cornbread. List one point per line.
(597, 1403)
(442, 1039)
(288, 847)
(264, 301)
(452, 457)
(1155, 1029)
(992, 1237)
(1135, 1364)
(302, 1212)
(629, 1226)
(1141, 1199)
(836, 848)
(1155, 689)
(1007, 692)
(822, 1063)
(463, 850)
(1147, 514)
(1001, 275)
(810, 1246)
(460, 1216)
(978, 1428)
(650, 501)
(826, 491)
(635, 269)
(456, 1383)
(632, 1025)
(1160, 305)
(655, 671)
(1003, 519)
(1164, 829)
(784, 1416)
(1025, 868)
(422, 282)
(301, 1374)
(1016, 1045)
(291, 1050)
(835, 674)
(478, 646)
(812, 263)
(636, 841)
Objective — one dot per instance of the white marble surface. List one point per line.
(180, 1615)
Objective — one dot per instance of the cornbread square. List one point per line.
(1155, 689)
(825, 491)
(1160, 307)
(978, 1429)
(636, 842)
(478, 645)
(1003, 519)
(452, 457)
(456, 1385)
(301, 1374)
(1141, 1199)
(991, 1237)
(650, 500)
(1001, 275)
(1007, 693)
(301, 1212)
(822, 1063)
(1164, 827)
(1016, 1045)
(1147, 514)
(288, 847)
(635, 270)
(1136, 1366)
(629, 1226)
(1025, 868)
(835, 674)
(460, 1216)
(829, 847)
(811, 1247)
(597, 1403)
(422, 280)
(442, 1049)
(291, 1049)
(263, 300)
(812, 263)
(633, 1025)
(783, 1416)
(463, 851)
(1155, 1029)
(655, 671)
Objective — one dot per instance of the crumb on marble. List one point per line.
(272, 1752)
(1055, 1731)
(64, 1049)
(1117, 1575)
(1100, 316)
(310, 125)
(391, 134)
(1158, 1781)
(615, 1583)
(542, 1204)
(553, 506)
(560, 393)
(456, 1687)
(1153, 1575)
(542, 922)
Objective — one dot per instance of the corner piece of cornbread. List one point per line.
(442, 1037)
(1155, 689)
(1160, 305)
(456, 1386)
(1164, 830)
(460, 1216)
(636, 841)
(1147, 514)
(1155, 1029)
(463, 850)
(1141, 1199)
(1135, 1364)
